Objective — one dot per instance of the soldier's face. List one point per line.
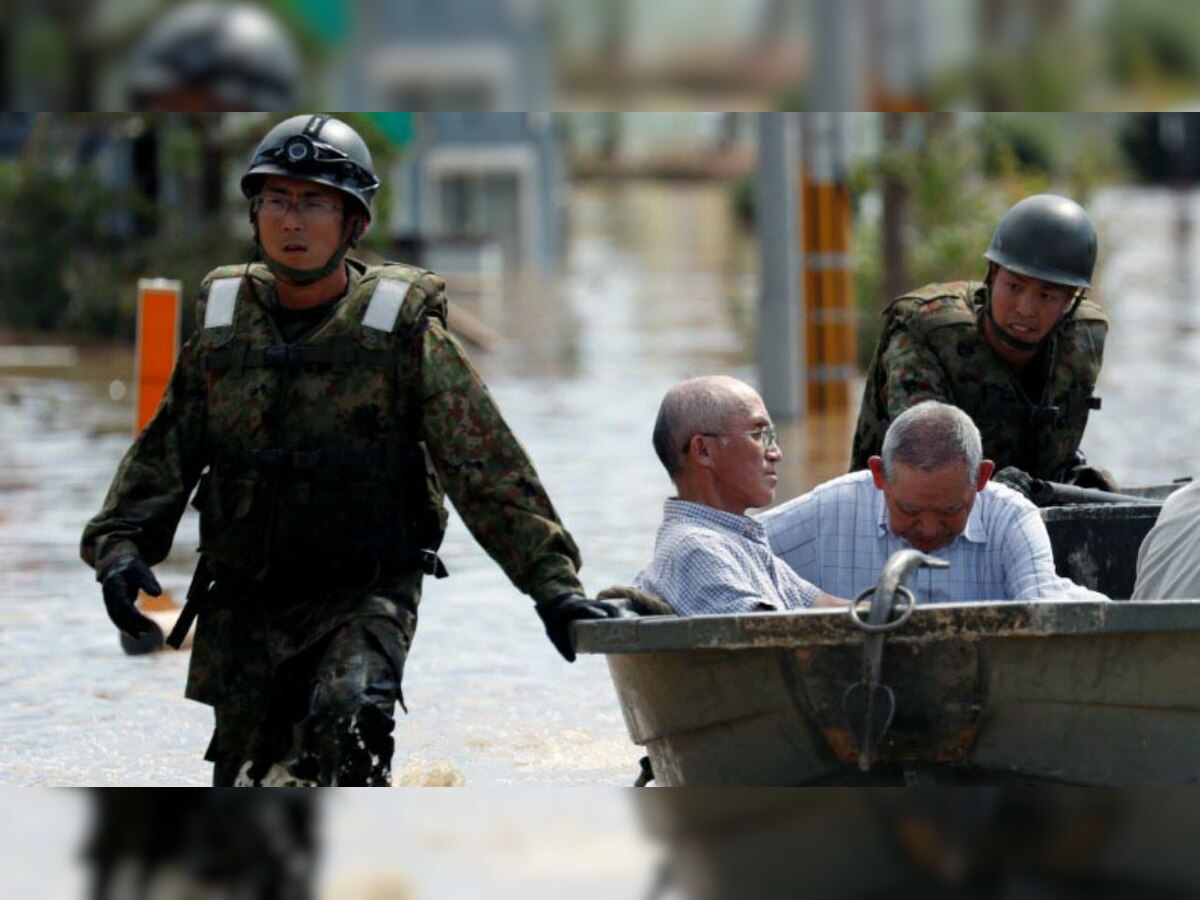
(929, 509)
(301, 224)
(1028, 308)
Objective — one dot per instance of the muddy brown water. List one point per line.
(658, 286)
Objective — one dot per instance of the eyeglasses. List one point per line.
(767, 436)
(311, 209)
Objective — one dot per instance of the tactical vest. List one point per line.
(1036, 433)
(315, 467)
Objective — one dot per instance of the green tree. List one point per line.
(61, 261)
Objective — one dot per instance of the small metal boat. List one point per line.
(1008, 692)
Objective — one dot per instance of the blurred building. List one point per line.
(671, 54)
(487, 185)
(476, 55)
(680, 54)
(479, 187)
(678, 144)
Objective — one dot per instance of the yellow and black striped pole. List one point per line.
(829, 321)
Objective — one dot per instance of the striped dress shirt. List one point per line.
(708, 562)
(837, 537)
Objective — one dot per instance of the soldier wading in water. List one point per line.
(1019, 353)
(318, 411)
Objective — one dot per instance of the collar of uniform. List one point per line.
(354, 274)
(974, 532)
(699, 514)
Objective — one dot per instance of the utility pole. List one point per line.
(781, 301)
(830, 351)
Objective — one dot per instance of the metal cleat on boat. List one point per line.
(869, 705)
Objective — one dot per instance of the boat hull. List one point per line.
(1076, 693)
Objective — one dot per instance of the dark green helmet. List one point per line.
(315, 148)
(1048, 237)
(238, 54)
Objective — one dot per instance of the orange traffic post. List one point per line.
(157, 343)
(157, 346)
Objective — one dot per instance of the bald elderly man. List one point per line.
(719, 447)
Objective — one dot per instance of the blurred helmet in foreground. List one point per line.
(315, 148)
(230, 56)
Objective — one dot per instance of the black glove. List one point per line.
(1019, 480)
(121, 580)
(559, 613)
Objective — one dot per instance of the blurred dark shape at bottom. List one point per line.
(1016, 843)
(159, 844)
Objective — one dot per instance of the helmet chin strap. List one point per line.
(302, 277)
(1015, 342)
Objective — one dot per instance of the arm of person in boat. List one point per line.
(703, 575)
(1168, 562)
(1028, 561)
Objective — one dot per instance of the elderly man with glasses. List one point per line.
(929, 491)
(719, 447)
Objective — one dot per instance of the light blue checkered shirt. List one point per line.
(707, 562)
(837, 537)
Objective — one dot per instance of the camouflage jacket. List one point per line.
(932, 347)
(327, 453)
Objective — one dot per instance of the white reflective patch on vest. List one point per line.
(222, 302)
(385, 304)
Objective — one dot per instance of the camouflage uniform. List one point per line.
(218, 843)
(319, 467)
(933, 348)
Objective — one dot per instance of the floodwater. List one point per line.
(474, 845)
(658, 287)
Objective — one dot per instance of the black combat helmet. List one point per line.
(1047, 237)
(238, 54)
(315, 148)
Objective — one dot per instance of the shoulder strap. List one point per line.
(220, 309)
(936, 291)
(220, 293)
(935, 306)
(403, 298)
(1089, 311)
(383, 309)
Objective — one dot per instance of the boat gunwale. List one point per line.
(971, 621)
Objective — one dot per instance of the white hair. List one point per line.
(931, 435)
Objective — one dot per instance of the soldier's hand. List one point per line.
(1042, 493)
(1017, 479)
(120, 581)
(559, 613)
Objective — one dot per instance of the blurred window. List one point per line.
(483, 206)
